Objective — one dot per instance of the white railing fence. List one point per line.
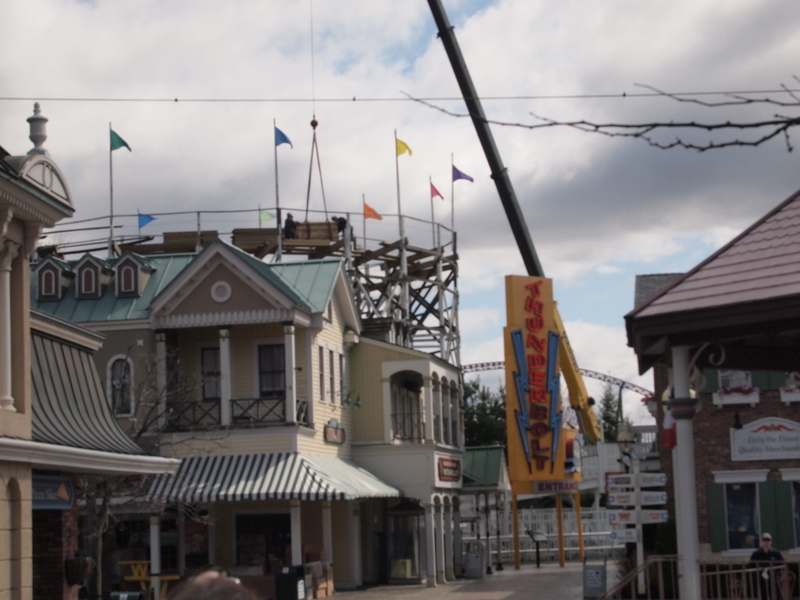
(596, 534)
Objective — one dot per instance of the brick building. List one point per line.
(727, 334)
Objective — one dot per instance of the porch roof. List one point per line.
(277, 476)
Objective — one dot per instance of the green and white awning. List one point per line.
(279, 476)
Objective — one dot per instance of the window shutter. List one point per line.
(760, 379)
(783, 536)
(717, 517)
(766, 504)
(712, 381)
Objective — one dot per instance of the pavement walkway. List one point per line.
(550, 582)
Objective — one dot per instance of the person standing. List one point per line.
(766, 559)
(290, 227)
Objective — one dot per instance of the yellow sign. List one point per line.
(540, 448)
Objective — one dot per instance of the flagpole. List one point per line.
(452, 196)
(364, 211)
(110, 195)
(139, 222)
(277, 198)
(433, 220)
(403, 258)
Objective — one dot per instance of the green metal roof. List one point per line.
(481, 466)
(308, 284)
(109, 307)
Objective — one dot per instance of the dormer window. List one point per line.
(48, 284)
(127, 279)
(88, 282)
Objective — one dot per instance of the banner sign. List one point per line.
(52, 492)
(539, 447)
(766, 439)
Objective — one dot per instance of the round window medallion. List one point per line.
(221, 291)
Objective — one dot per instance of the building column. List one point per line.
(389, 408)
(429, 545)
(161, 378)
(297, 532)
(439, 541)
(155, 556)
(354, 530)
(427, 410)
(225, 380)
(8, 252)
(291, 377)
(457, 553)
(449, 573)
(327, 530)
(683, 411)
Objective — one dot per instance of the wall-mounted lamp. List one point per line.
(353, 399)
(737, 423)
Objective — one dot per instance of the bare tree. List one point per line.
(762, 130)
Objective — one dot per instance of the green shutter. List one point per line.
(712, 381)
(784, 536)
(760, 379)
(766, 504)
(716, 515)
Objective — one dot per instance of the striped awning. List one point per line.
(279, 476)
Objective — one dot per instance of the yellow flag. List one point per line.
(402, 147)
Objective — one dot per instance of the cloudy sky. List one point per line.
(600, 210)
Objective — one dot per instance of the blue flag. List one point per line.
(144, 220)
(281, 138)
(459, 175)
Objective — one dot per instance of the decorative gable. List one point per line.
(92, 277)
(53, 276)
(132, 275)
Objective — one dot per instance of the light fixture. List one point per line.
(349, 401)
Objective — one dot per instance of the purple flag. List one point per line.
(459, 175)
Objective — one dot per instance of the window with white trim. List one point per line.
(127, 279)
(48, 284)
(120, 386)
(331, 376)
(735, 379)
(271, 371)
(321, 361)
(743, 504)
(88, 282)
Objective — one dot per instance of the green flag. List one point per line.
(264, 216)
(117, 142)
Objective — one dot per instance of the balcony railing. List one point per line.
(408, 427)
(245, 412)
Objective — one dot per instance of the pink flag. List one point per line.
(435, 192)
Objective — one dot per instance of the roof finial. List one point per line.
(38, 130)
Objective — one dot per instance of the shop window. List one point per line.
(263, 540)
(120, 388)
(211, 373)
(271, 371)
(740, 511)
(735, 379)
(195, 537)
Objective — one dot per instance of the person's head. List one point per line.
(334, 218)
(289, 216)
(766, 541)
(208, 587)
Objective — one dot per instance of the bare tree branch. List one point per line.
(762, 130)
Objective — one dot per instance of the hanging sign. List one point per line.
(766, 439)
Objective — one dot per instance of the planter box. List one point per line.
(736, 398)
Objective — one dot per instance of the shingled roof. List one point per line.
(745, 296)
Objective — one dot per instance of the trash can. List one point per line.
(137, 595)
(475, 561)
(594, 579)
(290, 583)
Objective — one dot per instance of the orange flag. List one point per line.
(371, 213)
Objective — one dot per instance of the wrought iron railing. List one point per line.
(192, 416)
(408, 427)
(245, 412)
